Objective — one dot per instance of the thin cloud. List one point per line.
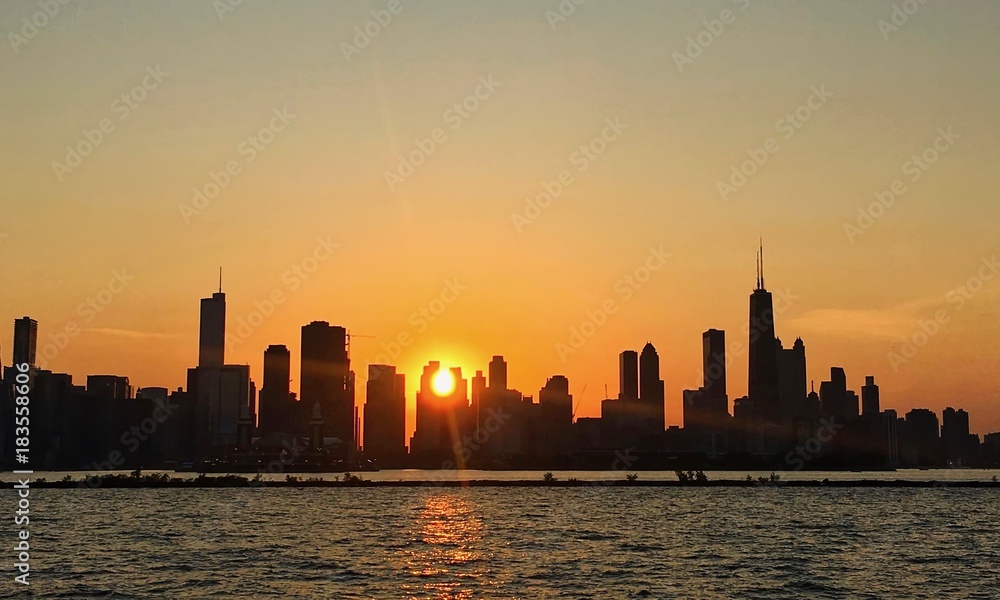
(128, 333)
(886, 323)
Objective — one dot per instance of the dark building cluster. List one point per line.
(221, 422)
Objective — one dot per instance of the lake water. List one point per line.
(942, 475)
(586, 542)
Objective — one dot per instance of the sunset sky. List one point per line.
(183, 90)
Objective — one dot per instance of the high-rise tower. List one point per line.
(275, 397)
(498, 374)
(713, 355)
(25, 340)
(651, 388)
(628, 375)
(870, 397)
(763, 369)
(212, 334)
(385, 414)
(327, 379)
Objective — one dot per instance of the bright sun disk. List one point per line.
(443, 382)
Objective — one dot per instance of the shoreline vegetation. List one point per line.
(138, 480)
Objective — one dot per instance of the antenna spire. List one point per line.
(758, 270)
(220, 280)
(761, 263)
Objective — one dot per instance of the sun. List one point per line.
(443, 382)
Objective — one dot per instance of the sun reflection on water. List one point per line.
(446, 549)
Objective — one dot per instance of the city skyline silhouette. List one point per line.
(345, 419)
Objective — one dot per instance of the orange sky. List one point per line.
(499, 104)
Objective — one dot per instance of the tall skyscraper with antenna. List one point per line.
(762, 386)
(212, 334)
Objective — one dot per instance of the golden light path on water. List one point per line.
(449, 534)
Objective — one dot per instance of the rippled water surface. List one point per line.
(592, 542)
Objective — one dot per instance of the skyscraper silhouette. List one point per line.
(792, 381)
(275, 396)
(25, 340)
(385, 414)
(762, 386)
(922, 437)
(111, 387)
(833, 395)
(442, 421)
(957, 443)
(212, 336)
(869, 397)
(498, 374)
(326, 378)
(651, 394)
(628, 375)
(478, 391)
(556, 416)
(713, 394)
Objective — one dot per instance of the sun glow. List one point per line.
(443, 382)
